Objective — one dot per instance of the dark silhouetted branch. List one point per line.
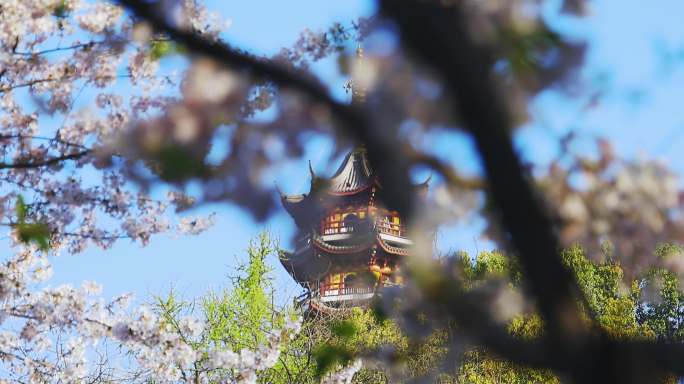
(439, 35)
(356, 120)
(44, 163)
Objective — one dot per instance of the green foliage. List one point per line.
(329, 356)
(663, 311)
(61, 9)
(162, 48)
(618, 305)
(488, 265)
(37, 233)
(174, 163)
(242, 316)
(344, 328)
(478, 368)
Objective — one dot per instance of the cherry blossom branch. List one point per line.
(31, 83)
(59, 49)
(43, 138)
(86, 46)
(44, 163)
(356, 119)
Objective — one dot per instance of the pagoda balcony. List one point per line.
(337, 292)
(388, 228)
(340, 230)
(333, 229)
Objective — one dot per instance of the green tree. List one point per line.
(239, 317)
(618, 304)
(244, 314)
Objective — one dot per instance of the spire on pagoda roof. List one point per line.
(358, 92)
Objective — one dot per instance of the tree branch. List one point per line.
(438, 34)
(356, 120)
(44, 163)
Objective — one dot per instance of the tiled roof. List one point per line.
(304, 269)
(392, 249)
(355, 174)
(365, 242)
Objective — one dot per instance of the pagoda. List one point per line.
(348, 245)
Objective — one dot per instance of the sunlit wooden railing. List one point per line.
(331, 290)
(390, 228)
(334, 228)
(339, 289)
(383, 226)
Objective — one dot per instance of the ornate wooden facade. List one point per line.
(348, 245)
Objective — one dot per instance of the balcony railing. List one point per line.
(383, 226)
(334, 230)
(340, 292)
(390, 228)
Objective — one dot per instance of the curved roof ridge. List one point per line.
(354, 174)
(325, 246)
(392, 249)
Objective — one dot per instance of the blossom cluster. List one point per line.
(54, 55)
(615, 207)
(49, 335)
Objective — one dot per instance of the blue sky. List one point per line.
(634, 52)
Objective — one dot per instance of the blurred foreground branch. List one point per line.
(355, 119)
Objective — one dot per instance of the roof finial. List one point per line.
(311, 171)
(358, 92)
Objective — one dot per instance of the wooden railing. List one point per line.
(339, 289)
(390, 228)
(346, 291)
(383, 226)
(334, 230)
(332, 290)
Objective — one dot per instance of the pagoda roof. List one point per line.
(299, 207)
(354, 174)
(304, 269)
(366, 242)
(392, 249)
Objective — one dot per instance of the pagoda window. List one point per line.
(339, 222)
(332, 284)
(391, 224)
(335, 280)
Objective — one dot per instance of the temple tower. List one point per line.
(348, 245)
